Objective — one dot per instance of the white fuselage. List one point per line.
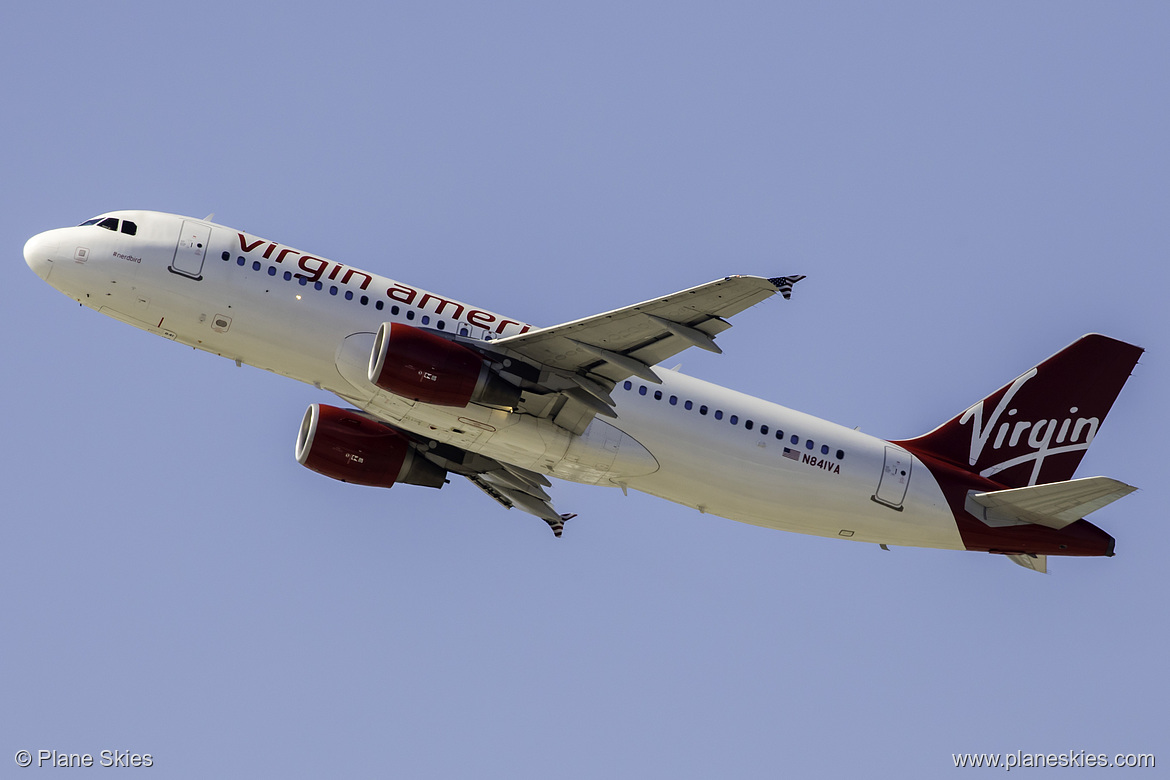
(311, 319)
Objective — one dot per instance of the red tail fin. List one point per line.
(1036, 429)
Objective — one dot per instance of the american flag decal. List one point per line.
(784, 284)
(558, 525)
(791, 454)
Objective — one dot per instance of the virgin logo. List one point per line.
(1024, 441)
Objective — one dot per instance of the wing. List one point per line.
(527, 498)
(511, 486)
(581, 361)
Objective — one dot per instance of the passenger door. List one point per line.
(191, 249)
(895, 478)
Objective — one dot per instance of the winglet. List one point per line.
(784, 284)
(558, 525)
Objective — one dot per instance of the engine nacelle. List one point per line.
(422, 366)
(344, 445)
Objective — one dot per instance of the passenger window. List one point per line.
(378, 305)
(255, 265)
(824, 449)
(109, 224)
(747, 424)
(393, 309)
(410, 314)
(718, 414)
(763, 430)
(674, 400)
(688, 406)
(365, 299)
(426, 320)
(628, 384)
(318, 286)
(240, 261)
(333, 289)
(642, 390)
(657, 395)
(130, 229)
(734, 419)
(795, 439)
(779, 435)
(226, 256)
(442, 325)
(272, 270)
(349, 295)
(808, 445)
(288, 276)
(840, 454)
(463, 332)
(703, 409)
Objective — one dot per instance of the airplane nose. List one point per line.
(39, 252)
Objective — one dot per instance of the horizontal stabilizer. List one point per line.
(1055, 504)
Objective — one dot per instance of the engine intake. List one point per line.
(345, 445)
(422, 366)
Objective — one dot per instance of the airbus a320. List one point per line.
(434, 387)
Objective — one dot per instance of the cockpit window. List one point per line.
(111, 223)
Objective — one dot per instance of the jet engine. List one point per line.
(422, 366)
(345, 445)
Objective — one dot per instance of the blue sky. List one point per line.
(969, 187)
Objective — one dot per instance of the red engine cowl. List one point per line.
(421, 366)
(345, 445)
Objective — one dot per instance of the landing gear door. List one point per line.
(895, 478)
(190, 250)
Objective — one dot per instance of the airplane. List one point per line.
(436, 388)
